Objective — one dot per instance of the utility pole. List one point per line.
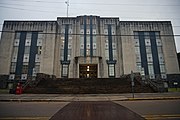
(67, 3)
(132, 83)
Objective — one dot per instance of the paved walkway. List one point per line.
(104, 110)
(86, 97)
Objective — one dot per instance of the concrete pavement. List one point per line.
(87, 97)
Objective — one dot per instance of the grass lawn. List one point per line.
(4, 91)
(173, 90)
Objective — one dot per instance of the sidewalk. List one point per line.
(87, 97)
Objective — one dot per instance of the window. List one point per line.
(40, 36)
(146, 35)
(94, 26)
(87, 52)
(17, 35)
(62, 30)
(149, 58)
(69, 54)
(160, 50)
(94, 45)
(37, 68)
(151, 69)
(13, 68)
(157, 35)
(136, 35)
(162, 68)
(62, 54)
(106, 46)
(39, 50)
(111, 70)
(137, 50)
(15, 51)
(81, 39)
(138, 58)
(148, 50)
(138, 65)
(27, 50)
(82, 26)
(81, 52)
(114, 54)
(65, 71)
(25, 69)
(161, 58)
(87, 40)
(107, 54)
(28, 35)
(94, 52)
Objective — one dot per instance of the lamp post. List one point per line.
(67, 3)
(132, 83)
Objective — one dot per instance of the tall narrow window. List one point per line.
(66, 49)
(111, 70)
(13, 68)
(65, 70)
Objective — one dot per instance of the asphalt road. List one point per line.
(154, 109)
(29, 110)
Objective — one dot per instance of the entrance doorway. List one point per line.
(88, 71)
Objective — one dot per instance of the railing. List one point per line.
(157, 84)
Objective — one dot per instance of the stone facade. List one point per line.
(87, 46)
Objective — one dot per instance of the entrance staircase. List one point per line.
(87, 86)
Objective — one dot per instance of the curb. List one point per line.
(56, 100)
(34, 100)
(156, 98)
(159, 117)
(24, 118)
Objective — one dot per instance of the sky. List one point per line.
(126, 10)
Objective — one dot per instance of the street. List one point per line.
(150, 109)
(28, 110)
(155, 109)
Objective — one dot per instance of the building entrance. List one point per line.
(88, 71)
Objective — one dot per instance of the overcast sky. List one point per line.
(166, 10)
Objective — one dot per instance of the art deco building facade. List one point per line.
(87, 46)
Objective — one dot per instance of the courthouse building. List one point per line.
(87, 47)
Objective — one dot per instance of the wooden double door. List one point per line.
(88, 70)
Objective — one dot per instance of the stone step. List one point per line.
(87, 86)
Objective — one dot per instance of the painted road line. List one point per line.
(24, 118)
(159, 117)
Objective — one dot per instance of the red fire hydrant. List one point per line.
(19, 89)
